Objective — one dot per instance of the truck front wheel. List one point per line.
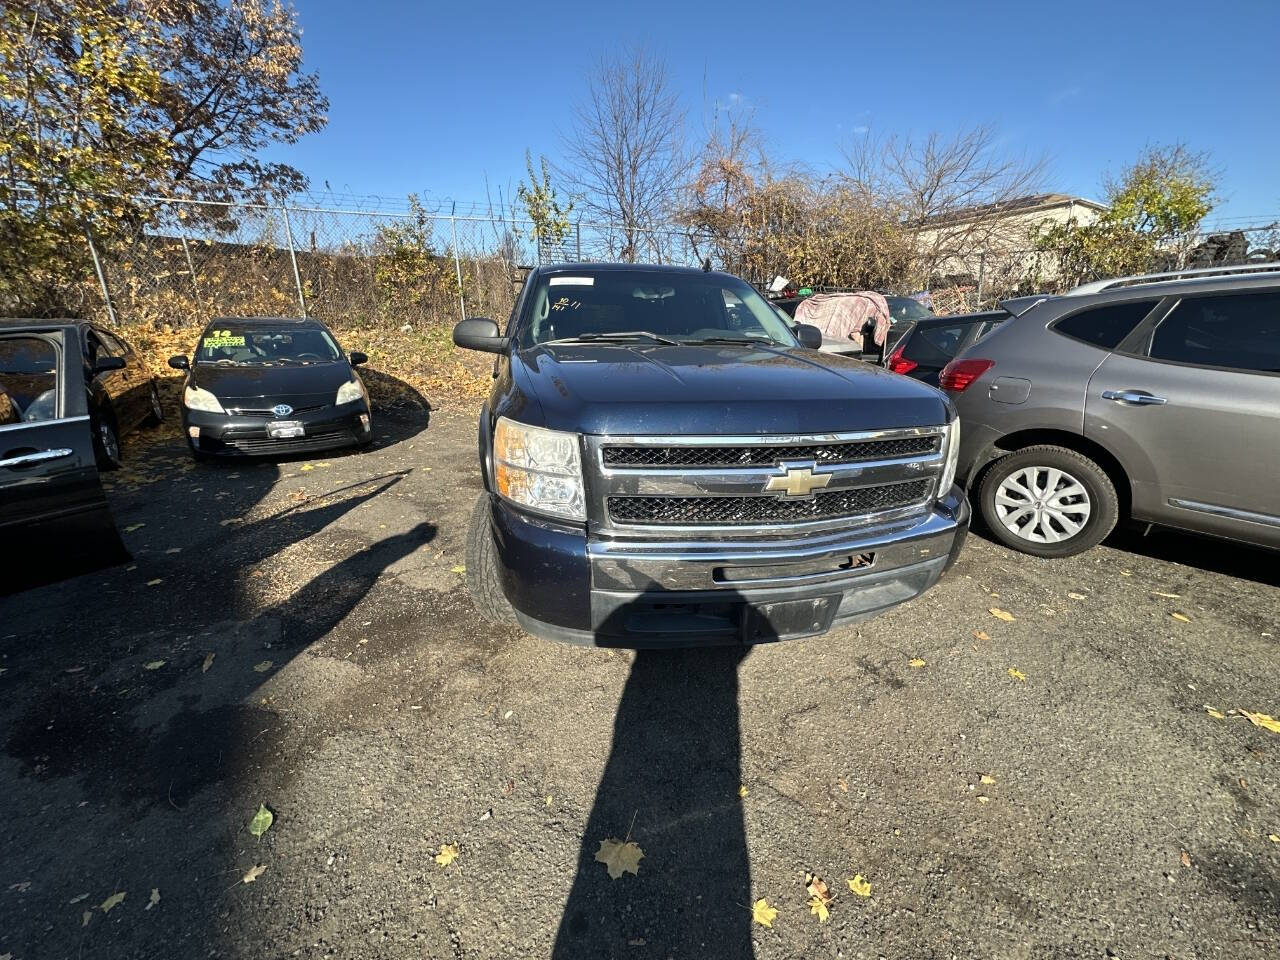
(483, 581)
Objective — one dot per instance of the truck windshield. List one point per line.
(243, 345)
(649, 306)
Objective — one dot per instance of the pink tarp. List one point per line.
(842, 316)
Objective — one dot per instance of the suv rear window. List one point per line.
(1105, 326)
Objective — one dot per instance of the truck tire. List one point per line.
(483, 582)
(1048, 501)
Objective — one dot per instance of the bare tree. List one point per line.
(716, 208)
(954, 196)
(625, 159)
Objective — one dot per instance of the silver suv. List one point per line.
(1155, 398)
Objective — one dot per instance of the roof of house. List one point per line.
(1018, 206)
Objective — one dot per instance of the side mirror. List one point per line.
(809, 336)
(108, 363)
(180, 362)
(479, 333)
(355, 357)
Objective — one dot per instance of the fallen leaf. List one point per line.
(208, 662)
(619, 857)
(1004, 615)
(155, 898)
(987, 779)
(460, 568)
(1216, 714)
(79, 899)
(261, 821)
(174, 550)
(153, 665)
(1262, 720)
(1274, 837)
(134, 526)
(1077, 596)
(448, 853)
(156, 582)
(22, 887)
(762, 913)
(1171, 596)
(984, 799)
(844, 784)
(85, 918)
(1017, 674)
(262, 667)
(818, 907)
(742, 790)
(917, 662)
(112, 901)
(816, 887)
(253, 873)
(227, 522)
(1125, 573)
(548, 800)
(1185, 858)
(305, 467)
(981, 635)
(1180, 617)
(860, 886)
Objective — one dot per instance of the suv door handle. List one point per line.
(1137, 398)
(40, 456)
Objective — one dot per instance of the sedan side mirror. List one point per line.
(809, 336)
(356, 358)
(180, 362)
(480, 333)
(108, 363)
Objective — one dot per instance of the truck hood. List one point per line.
(718, 389)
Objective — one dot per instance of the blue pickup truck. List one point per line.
(668, 461)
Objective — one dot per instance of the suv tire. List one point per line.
(1069, 517)
(483, 581)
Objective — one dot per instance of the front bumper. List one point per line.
(232, 435)
(644, 593)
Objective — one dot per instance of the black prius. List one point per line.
(273, 386)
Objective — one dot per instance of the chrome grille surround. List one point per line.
(608, 481)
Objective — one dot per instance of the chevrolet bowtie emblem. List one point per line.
(798, 482)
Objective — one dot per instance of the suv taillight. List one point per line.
(958, 375)
(897, 362)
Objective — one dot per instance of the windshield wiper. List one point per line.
(617, 337)
(747, 340)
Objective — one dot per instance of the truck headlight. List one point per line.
(193, 398)
(352, 390)
(952, 442)
(540, 469)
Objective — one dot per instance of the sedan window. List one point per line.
(28, 380)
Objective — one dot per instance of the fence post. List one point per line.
(982, 269)
(102, 277)
(191, 267)
(457, 264)
(293, 257)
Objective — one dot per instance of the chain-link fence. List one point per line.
(197, 260)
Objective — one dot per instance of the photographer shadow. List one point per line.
(672, 785)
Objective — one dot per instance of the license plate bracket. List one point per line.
(285, 429)
(762, 622)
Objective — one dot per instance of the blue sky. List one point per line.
(432, 97)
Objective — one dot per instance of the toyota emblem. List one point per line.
(282, 409)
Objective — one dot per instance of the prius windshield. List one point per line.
(244, 345)
(625, 306)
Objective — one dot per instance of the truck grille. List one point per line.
(756, 510)
(685, 457)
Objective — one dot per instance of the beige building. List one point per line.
(994, 244)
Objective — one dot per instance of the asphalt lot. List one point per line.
(353, 690)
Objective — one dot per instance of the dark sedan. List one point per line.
(934, 342)
(272, 385)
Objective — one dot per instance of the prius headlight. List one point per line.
(352, 390)
(193, 398)
(951, 441)
(539, 469)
